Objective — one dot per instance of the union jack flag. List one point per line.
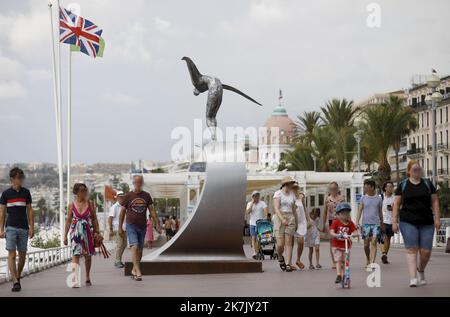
(75, 30)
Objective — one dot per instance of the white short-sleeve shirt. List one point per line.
(114, 212)
(286, 200)
(257, 212)
(387, 214)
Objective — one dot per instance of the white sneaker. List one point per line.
(413, 282)
(421, 278)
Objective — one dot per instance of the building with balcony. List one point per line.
(419, 142)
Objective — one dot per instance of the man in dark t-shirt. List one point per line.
(135, 205)
(19, 227)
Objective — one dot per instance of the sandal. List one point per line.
(318, 266)
(289, 268)
(300, 265)
(88, 283)
(137, 278)
(311, 267)
(282, 263)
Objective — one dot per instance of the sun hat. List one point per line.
(343, 207)
(286, 180)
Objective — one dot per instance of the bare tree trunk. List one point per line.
(384, 169)
(397, 166)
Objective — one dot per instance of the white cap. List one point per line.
(256, 193)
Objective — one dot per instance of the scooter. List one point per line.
(346, 277)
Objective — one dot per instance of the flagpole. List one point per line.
(60, 167)
(69, 120)
(57, 105)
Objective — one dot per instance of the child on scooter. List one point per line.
(340, 229)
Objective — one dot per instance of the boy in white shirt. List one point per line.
(388, 204)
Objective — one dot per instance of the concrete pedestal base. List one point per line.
(211, 240)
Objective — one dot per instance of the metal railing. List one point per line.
(37, 261)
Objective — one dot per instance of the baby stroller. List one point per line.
(266, 239)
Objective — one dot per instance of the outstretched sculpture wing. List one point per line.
(240, 93)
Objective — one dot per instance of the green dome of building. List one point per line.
(279, 111)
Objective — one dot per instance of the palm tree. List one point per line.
(339, 115)
(383, 126)
(324, 148)
(299, 159)
(444, 198)
(379, 129)
(406, 123)
(305, 125)
(368, 153)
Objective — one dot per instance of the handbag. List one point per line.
(98, 243)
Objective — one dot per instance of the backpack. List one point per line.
(404, 182)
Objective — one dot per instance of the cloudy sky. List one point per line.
(126, 104)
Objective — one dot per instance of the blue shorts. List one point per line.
(136, 236)
(252, 231)
(370, 230)
(16, 239)
(417, 236)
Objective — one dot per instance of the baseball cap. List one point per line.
(343, 207)
(255, 192)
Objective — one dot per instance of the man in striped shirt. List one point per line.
(16, 201)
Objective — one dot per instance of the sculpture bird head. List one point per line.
(193, 71)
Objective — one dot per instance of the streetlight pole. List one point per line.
(433, 138)
(358, 141)
(313, 155)
(314, 159)
(433, 82)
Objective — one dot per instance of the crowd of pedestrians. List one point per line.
(412, 208)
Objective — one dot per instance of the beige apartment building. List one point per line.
(419, 143)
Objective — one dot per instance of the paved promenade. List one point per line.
(108, 281)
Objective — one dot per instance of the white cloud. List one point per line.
(130, 45)
(267, 11)
(161, 24)
(27, 33)
(118, 98)
(11, 89)
(9, 68)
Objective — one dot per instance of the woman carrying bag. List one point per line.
(84, 230)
